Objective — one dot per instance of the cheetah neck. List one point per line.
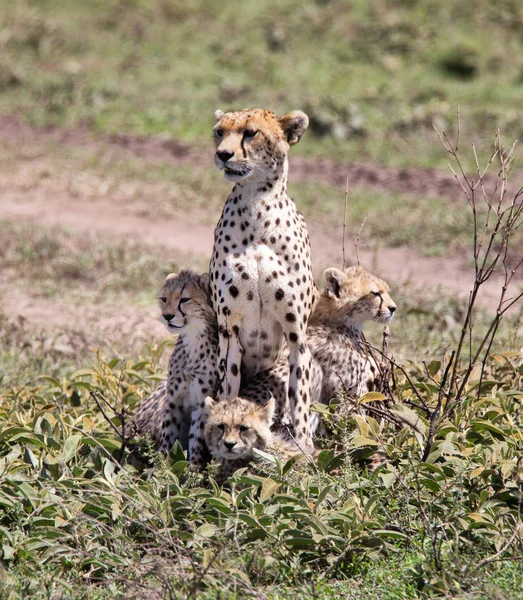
(264, 190)
(197, 334)
(325, 314)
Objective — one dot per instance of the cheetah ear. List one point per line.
(218, 114)
(171, 276)
(205, 282)
(269, 409)
(333, 280)
(210, 403)
(294, 125)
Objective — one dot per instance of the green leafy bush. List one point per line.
(76, 514)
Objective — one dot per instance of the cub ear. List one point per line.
(333, 280)
(218, 114)
(171, 276)
(269, 409)
(205, 282)
(210, 403)
(294, 125)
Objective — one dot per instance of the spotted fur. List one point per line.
(261, 277)
(335, 332)
(235, 427)
(173, 411)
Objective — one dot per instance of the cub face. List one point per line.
(253, 142)
(358, 295)
(233, 428)
(184, 299)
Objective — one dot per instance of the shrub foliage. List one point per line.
(79, 511)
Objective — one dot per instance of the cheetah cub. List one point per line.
(335, 335)
(174, 410)
(234, 428)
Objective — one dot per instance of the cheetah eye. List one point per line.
(184, 300)
(250, 133)
(244, 428)
(163, 299)
(376, 293)
(221, 426)
(218, 132)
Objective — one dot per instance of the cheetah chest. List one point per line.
(249, 284)
(261, 276)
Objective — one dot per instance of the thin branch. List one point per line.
(356, 241)
(437, 410)
(345, 222)
(505, 547)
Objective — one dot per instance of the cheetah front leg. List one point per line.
(300, 365)
(229, 360)
(196, 452)
(172, 419)
(197, 448)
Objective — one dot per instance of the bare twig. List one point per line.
(503, 549)
(123, 434)
(345, 222)
(356, 241)
(405, 374)
(435, 413)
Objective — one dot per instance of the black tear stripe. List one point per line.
(244, 152)
(180, 304)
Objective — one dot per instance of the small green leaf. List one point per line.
(269, 486)
(359, 440)
(206, 530)
(394, 535)
(434, 367)
(372, 397)
(410, 417)
(83, 373)
(70, 446)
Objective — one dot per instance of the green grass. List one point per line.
(82, 268)
(373, 76)
(430, 226)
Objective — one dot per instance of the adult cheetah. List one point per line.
(261, 277)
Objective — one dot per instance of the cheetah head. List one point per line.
(233, 428)
(185, 300)
(357, 296)
(253, 143)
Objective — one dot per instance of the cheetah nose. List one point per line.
(168, 317)
(229, 445)
(223, 155)
(392, 309)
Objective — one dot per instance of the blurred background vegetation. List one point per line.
(373, 75)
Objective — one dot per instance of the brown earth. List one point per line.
(422, 182)
(32, 192)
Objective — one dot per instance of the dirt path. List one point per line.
(186, 234)
(421, 182)
(47, 202)
(121, 329)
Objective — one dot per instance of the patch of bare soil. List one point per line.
(76, 328)
(412, 180)
(47, 202)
